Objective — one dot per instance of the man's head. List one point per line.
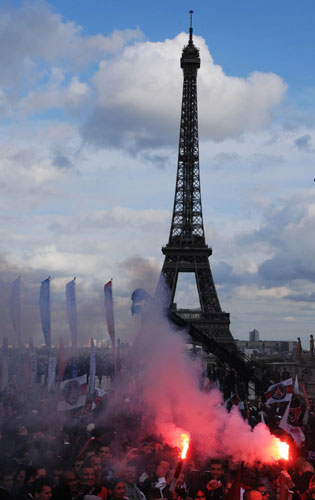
(105, 454)
(162, 468)
(87, 474)
(252, 495)
(41, 489)
(77, 465)
(68, 478)
(41, 473)
(118, 489)
(130, 473)
(96, 463)
(216, 469)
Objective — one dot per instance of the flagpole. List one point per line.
(109, 310)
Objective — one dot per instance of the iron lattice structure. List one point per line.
(187, 250)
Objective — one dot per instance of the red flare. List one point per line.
(185, 446)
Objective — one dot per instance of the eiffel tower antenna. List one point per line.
(186, 250)
(191, 28)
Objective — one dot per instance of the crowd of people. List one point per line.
(105, 454)
(107, 450)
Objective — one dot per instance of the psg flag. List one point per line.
(280, 392)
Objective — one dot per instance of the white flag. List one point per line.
(295, 431)
(280, 392)
(296, 388)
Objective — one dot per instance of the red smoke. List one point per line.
(172, 396)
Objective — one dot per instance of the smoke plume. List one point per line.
(170, 388)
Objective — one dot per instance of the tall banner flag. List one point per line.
(72, 312)
(280, 392)
(15, 308)
(72, 393)
(92, 367)
(44, 306)
(109, 310)
(72, 319)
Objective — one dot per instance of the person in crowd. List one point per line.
(96, 462)
(199, 494)
(25, 493)
(157, 480)
(129, 477)
(107, 469)
(215, 486)
(67, 486)
(78, 463)
(117, 489)
(41, 489)
(19, 479)
(89, 484)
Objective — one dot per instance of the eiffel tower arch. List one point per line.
(186, 250)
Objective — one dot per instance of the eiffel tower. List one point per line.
(187, 250)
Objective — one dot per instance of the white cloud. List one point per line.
(139, 94)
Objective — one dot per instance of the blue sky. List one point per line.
(90, 97)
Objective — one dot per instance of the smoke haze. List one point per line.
(170, 388)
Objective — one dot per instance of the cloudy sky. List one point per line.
(90, 96)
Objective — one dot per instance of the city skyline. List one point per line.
(89, 122)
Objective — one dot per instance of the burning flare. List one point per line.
(185, 446)
(283, 450)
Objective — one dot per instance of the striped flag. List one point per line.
(110, 312)
(44, 306)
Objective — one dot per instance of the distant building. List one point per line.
(254, 335)
(267, 348)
